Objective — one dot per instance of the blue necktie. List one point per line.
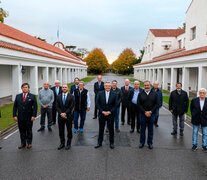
(64, 99)
(57, 91)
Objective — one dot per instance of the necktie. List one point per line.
(64, 99)
(24, 98)
(57, 91)
(126, 89)
(107, 97)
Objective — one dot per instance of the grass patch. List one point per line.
(86, 79)
(125, 75)
(165, 91)
(166, 100)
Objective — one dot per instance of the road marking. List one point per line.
(185, 122)
(5, 138)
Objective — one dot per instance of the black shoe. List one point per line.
(122, 123)
(181, 133)
(194, 148)
(150, 146)
(141, 146)
(41, 129)
(112, 146)
(204, 149)
(98, 146)
(50, 129)
(61, 146)
(117, 130)
(0, 147)
(132, 130)
(95, 117)
(156, 125)
(68, 147)
(22, 146)
(107, 130)
(174, 133)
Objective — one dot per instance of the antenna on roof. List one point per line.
(58, 33)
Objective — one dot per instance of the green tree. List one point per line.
(3, 14)
(97, 61)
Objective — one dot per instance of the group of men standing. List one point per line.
(142, 106)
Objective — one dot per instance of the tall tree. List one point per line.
(97, 61)
(139, 59)
(3, 14)
(124, 63)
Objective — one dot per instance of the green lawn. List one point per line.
(166, 100)
(86, 79)
(130, 75)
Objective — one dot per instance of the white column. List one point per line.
(185, 79)
(201, 78)
(34, 80)
(60, 75)
(165, 78)
(153, 76)
(150, 75)
(173, 79)
(54, 75)
(64, 78)
(16, 81)
(45, 74)
(159, 76)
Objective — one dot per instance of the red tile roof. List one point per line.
(175, 55)
(31, 51)
(18, 35)
(167, 32)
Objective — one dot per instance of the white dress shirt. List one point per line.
(202, 104)
(107, 96)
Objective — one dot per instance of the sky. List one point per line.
(111, 25)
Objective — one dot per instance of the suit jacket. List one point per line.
(55, 95)
(125, 96)
(178, 102)
(101, 102)
(25, 110)
(131, 94)
(72, 88)
(198, 116)
(118, 93)
(148, 102)
(97, 89)
(67, 108)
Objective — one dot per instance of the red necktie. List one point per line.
(24, 98)
(126, 89)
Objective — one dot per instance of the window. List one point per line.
(180, 44)
(193, 33)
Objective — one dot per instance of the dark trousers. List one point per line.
(123, 109)
(61, 125)
(110, 124)
(146, 122)
(95, 108)
(54, 114)
(135, 115)
(157, 115)
(25, 130)
(82, 115)
(45, 111)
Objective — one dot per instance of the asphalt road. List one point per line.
(171, 157)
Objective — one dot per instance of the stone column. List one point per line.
(64, 78)
(165, 78)
(185, 79)
(16, 80)
(34, 80)
(54, 76)
(60, 75)
(45, 74)
(173, 79)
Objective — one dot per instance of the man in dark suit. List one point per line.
(198, 110)
(98, 86)
(57, 89)
(133, 97)
(125, 102)
(24, 112)
(75, 86)
(65, 105)
(106, 103)
(178, 106)
(147, 103)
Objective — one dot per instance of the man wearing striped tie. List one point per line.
(65, 105)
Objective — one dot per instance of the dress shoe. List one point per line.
(94, 117)
(0, 147)
(22, 146)
(117, 130)
(50, 129)
(132, 130)
(156, 125)
(107, 130)
(204, 149)
(29, 146)
(141, 146)
(98, 146)
(181, 133)
(61, 146)
(122, 123)
(68, 147)
(112, 146)
(150, 146)
(41, 129)
(174, 133)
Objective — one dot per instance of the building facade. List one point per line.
(178, 55)
(24, 58)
